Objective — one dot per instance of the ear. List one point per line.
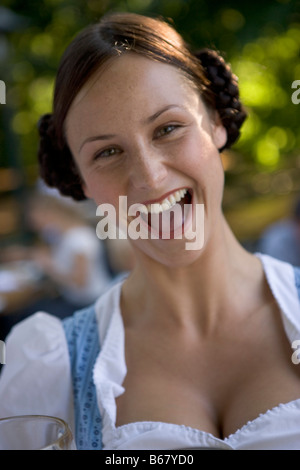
(219, 133)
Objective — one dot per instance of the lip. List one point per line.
(164, 196)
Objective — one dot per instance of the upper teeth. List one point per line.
(165, 205)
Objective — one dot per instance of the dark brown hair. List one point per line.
(114, 35)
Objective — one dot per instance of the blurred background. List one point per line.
(261, 40)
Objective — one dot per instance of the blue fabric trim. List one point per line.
(83, 341)
(297, 279)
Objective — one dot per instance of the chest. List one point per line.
(216, 387)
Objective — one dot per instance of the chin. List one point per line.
(168, 253)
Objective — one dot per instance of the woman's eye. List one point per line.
(109, 152)
(165, 130)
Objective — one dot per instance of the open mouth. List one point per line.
(167, 218)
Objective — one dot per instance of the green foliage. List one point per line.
(266, 69)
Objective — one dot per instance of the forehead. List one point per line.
(131, 80)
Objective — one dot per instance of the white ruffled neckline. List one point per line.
(110, 371)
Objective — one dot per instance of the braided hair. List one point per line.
(114, 35)
(56, 163)
(224, 86)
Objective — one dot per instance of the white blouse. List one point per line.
(37, 379)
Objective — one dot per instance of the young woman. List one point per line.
(194, 348)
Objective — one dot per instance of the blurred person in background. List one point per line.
(282, 238)
(74, 257)
(68, 255)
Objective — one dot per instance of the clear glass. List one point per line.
(35, 432)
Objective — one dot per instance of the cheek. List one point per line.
(203, 164)
(100, 189)
(106, 188)
(200, 157)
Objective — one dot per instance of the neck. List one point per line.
(193, 294)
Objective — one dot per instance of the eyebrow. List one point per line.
(96, 137)
(148, 120)
(158, 113)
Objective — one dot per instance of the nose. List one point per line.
(148, 169)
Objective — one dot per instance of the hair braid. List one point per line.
(57, 166)
(223, 84)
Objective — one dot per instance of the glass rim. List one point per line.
(67, 434)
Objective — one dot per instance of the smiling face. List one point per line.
(139, 129)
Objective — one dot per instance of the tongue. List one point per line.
(167, 220)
